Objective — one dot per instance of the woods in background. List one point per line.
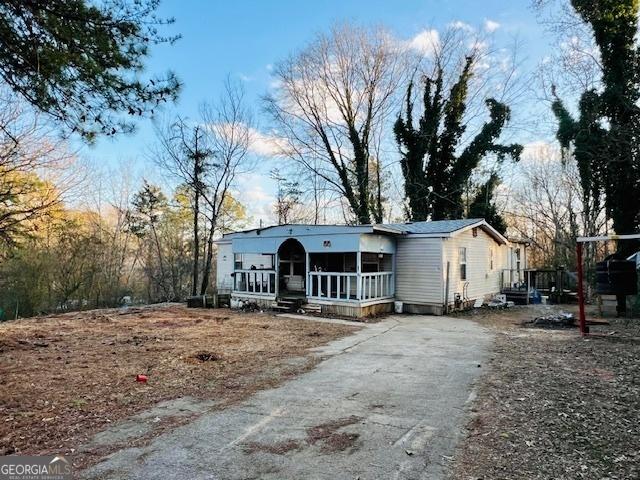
(133, 245)
(364, 128)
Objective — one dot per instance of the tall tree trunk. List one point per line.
(379, 213)
(163, 279)
(196, 242)
(209, 258)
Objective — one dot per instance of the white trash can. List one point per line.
(397, 307)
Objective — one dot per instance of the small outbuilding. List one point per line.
(430, 267)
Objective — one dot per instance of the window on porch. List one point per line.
(254, 273)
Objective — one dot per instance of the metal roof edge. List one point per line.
(497, 236)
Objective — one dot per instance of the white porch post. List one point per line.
(277, 279)
(359, 275)
(307, 275)
(392, 287)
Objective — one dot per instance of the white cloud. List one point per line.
(253, 191)
(479, 45)
(269, 67)
(426, 42)
(460, 25)
(535, 150)
(265, 144)
(275, 84)
(245, 78)
(491, 26)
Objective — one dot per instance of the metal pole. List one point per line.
(583, 323)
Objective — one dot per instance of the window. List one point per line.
(462, 256)
(370, 262)
(490, 258)
(237, 261)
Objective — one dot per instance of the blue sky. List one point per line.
(243, 37)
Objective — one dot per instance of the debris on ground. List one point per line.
(553, 404)
(498, 301)
(248, 306)
(53, 398)
(553, 320)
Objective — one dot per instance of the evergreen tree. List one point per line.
(435, 176)
(483, 207)
(80, 62)
(604, 136)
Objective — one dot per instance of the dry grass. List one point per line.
(555, 405)
(65, 377)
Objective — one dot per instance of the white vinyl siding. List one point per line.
(224, 267)
(419, 271)
(481, 278)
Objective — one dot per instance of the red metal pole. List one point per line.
(583, 321)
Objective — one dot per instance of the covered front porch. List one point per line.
(355, 278)
(350, 276)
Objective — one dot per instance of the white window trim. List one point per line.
(462, 260)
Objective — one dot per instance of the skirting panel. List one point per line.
(423, 309)
(358, 311)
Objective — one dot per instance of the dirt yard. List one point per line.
(555, 405)
(65, 377)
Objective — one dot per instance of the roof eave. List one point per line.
(492, 232)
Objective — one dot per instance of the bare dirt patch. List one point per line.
(65, 377)
(330, 439)
(276, 448)
(555, 405)
(326, 435)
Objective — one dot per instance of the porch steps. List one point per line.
(312, 308)
(284, 305)
(292, 306)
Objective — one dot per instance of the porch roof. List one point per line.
(437, 228)
(296, 229)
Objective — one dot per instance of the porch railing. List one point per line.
(350, 286)
(558, 282)
(513, 279)
(255, 281)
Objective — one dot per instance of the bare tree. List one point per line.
(332, 102)
(228, 125)
(207, 156)
(288, 198)
(184, 151)
(546, 206)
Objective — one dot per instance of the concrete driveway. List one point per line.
(387, 403)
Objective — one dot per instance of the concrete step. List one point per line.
(311, 307)
(282, 308)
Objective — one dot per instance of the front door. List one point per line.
(291, 267)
